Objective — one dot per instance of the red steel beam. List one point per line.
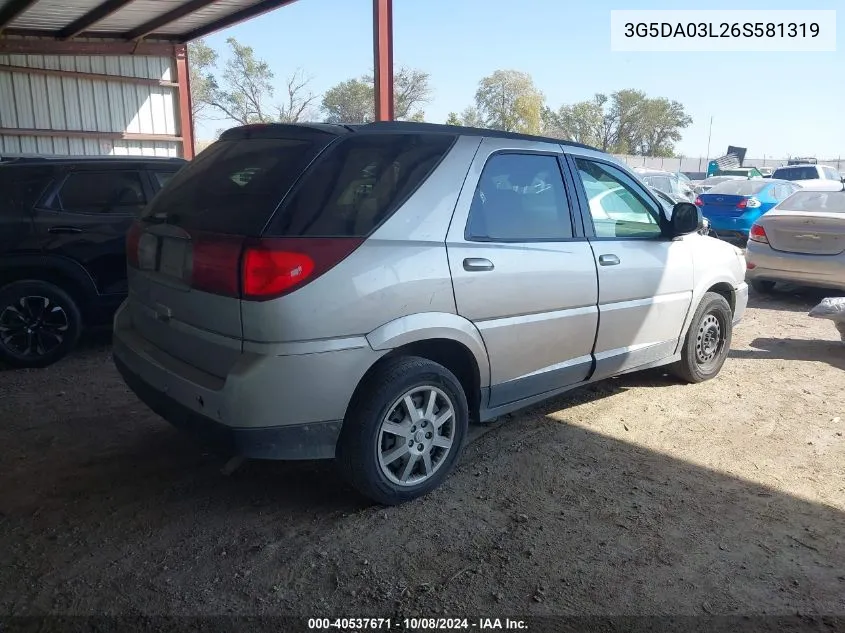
(14, 46)
(186, 117)
(383, 57)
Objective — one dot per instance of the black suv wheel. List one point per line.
(39, 323)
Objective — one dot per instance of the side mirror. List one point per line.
(686, 219)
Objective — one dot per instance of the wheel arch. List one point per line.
(447, 339)
(722, 285)
(64, 273)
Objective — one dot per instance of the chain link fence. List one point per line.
(700, 164)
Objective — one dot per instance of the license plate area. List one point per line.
(172, 258)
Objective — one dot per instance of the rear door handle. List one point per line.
(64, 229)
(608, 260)
(473, 264)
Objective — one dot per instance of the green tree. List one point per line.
(508, 100)
(661, 125)
(202, 60)
(244, 91)
(350, 101)
(453, 119)
(353, 100)
(626, 122)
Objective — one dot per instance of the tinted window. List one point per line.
(617, 208)
(358, 184)
(234, 186)
(163, 177)
(796, 173)
(520, 197)
(826, 201)
(20, 189)
(739, 187)
(101, 192)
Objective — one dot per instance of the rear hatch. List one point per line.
(185, 252)
(261, 213)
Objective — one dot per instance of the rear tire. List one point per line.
(404, 431)
(39, 323)
(708, 340)
(763, 286)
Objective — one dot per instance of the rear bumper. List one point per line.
(296, 441)
(269, 405)
(822, 271)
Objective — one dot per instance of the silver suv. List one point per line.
(366, 292)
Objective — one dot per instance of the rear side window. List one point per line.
(163, 177)
(235, 185)
(21, 189)
(358, 184)
(520, 198)
(118, 192)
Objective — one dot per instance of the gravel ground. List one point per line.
(637, 496)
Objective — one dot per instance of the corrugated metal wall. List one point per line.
(94, 105)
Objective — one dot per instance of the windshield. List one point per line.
(739, 187)
(822, 201)
(796, 173)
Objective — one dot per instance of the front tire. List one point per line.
(708, 340)
(405, 430)
(39, 323)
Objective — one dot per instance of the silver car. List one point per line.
(366, 292)
(800, 241)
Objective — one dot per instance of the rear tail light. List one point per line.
(133, 237)
(215, 263)
(748, 203)
(758, 234)
(273, 267)
(699, 202)
(255, 269)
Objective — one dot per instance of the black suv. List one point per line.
(63, 223)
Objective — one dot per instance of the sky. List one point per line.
(775, 104)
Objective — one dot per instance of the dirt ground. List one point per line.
(635, 496)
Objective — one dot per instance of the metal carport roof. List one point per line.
(132, 20)
(157, 28)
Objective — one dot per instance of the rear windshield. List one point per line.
(796, 173)
(823, 201)
(739, 187)
(235, 185)
(358, 183)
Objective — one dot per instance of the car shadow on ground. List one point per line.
(108, 508)
(789, 298)
(831, 352)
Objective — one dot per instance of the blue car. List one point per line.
(732, 206)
